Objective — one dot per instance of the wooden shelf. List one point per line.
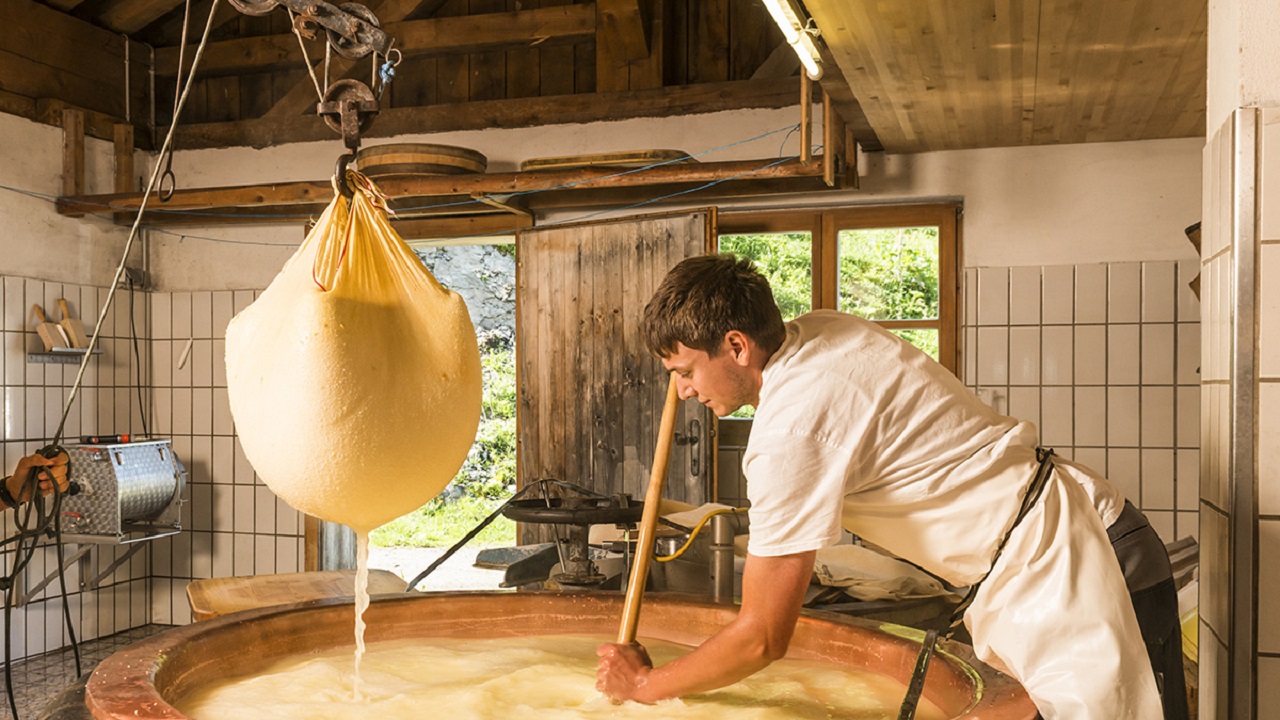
(68, 356)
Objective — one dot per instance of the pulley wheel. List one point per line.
(349, 94)
(255, 7)
(352, 48)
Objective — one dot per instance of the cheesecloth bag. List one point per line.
(354, 378)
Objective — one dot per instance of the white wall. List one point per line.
(37, 242)
(1243, 57)
(1068, 204)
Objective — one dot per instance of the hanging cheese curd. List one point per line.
(354, 379)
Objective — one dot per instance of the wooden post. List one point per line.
(850, 160)
(830, 148)
(806, 119)
(123, 138)
(649, 521)
(73, 154)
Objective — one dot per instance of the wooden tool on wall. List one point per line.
(73, 326)
(50, 334)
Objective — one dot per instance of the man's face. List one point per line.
(722, 382)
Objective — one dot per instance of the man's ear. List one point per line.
(739, 347)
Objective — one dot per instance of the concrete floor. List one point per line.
(457, 573)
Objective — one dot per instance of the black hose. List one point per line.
(47, 512)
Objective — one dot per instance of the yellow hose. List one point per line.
(697, 529)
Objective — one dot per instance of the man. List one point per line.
(856, 428)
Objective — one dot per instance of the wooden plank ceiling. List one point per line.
(941, 74)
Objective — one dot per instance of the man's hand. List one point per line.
(53, 475)
(623, 671)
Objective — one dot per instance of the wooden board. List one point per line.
(212, 597)
(589, 394)
(631, 159)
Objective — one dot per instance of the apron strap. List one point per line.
(1029, 498)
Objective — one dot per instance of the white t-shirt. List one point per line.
(857, 428)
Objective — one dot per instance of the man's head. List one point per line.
(714, 321)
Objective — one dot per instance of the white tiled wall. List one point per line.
(233, 524)
(107, 403)
(1269, 413)
(237, 526)
(1240, 555)
(1104, 359)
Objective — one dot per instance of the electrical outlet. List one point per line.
(134, 277)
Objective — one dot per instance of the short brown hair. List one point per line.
(703, 298)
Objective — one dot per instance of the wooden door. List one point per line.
(590, 394)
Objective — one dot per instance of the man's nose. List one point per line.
(684, 388)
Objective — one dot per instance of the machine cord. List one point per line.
(38, 516)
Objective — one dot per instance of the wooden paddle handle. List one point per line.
(40, 313)
(62, 305)
(649, 520)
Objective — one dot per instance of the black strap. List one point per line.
(1029, 498)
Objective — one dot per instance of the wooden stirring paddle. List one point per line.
(649, 520)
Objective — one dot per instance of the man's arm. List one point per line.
(772, 593)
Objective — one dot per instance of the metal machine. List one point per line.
(129, 493)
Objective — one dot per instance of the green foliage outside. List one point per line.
(487, 477)
(885, 274)
(891, 274)
(786, 260)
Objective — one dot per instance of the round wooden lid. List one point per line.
(400, 159)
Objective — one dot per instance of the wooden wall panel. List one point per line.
(556, 69)
(752, 36)
(488, 70)
(709, 41)
(590, 395)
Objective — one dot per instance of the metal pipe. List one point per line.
(722, 534)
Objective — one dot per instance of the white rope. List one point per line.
(137, 221)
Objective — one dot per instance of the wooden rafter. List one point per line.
(406, 191)
(439, 36)
(130, 16)
(522, 112)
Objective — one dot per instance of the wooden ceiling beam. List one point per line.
(521, 112)
(406, 192)
(130, 16)
(301, 97)
(439, 36)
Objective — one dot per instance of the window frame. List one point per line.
(824, 226)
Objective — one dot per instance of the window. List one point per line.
(894, 265)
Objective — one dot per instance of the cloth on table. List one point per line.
(866, 574)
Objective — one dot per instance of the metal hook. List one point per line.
(340, 174)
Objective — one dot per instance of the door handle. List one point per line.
(692, 439)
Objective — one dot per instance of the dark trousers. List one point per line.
(1155, 601)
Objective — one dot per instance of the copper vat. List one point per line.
(136, 683)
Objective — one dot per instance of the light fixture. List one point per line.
(799, 33)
